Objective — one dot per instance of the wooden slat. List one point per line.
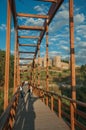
(32, 15)
(40, 28)
(23, 64)
(77, 123)
(30, 45)
(80, 113)
(25, 52)
(29, 37)
(26, 58)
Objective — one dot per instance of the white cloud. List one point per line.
(54, 53)
(38, 8)
(33, 21)
(79, 18)
(65, 48)
(12, 30)
(77, 39)
(3, 27)
(41, 9)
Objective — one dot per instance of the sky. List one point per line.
(59, 43)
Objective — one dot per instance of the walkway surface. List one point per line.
(33, 114)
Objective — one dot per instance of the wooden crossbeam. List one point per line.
(53, 1)
(30, 45)
(23, 64)
(25, 52)
(26, 58)
(29, 37)
(39, 28)
(32, 15)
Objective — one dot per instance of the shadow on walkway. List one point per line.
(25, 114)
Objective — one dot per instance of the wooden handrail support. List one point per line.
(73, 110)
(7, 118)
(52, 103)
(72, 115)
(59, 107)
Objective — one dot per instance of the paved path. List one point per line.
(33, 114)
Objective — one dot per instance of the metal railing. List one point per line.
(7, 118)
(73, 111)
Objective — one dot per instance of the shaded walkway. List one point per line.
(33, 114)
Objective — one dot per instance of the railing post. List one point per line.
(18, 70)
(7, 59)
(59, 107)
(34, 72)
(47, 76)
(52, 103)
(38, 64)
(72, 115)
(15, 63)
(46, 100)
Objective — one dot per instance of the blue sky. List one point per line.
(58, 29)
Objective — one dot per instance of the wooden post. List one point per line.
(47, 76)
(72, 61)
(72, 53)
(51, 103)
(34, 73)
(7, 60)
(46, 100)
(18, 70)
(59, 107)
(31, 76)
(38, 65)
(15, 63)
(72, 115)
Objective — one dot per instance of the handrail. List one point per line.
(71, 114)
(64, 97)
(9, 113)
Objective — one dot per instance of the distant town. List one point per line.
(54, 62)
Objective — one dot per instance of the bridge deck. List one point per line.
(33, 114)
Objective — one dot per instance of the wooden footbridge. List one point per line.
(45, 110)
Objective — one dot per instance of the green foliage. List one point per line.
(2, 77)
(83, 74)
(2, 68)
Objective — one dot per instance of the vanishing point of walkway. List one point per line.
(33, 114)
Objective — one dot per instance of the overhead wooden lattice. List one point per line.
(55, 4)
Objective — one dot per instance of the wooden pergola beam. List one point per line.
(39, 28)
(29, 37)
(25, 52)
(23, 64)
(30, 45)
(32, 15)
(25, 58)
